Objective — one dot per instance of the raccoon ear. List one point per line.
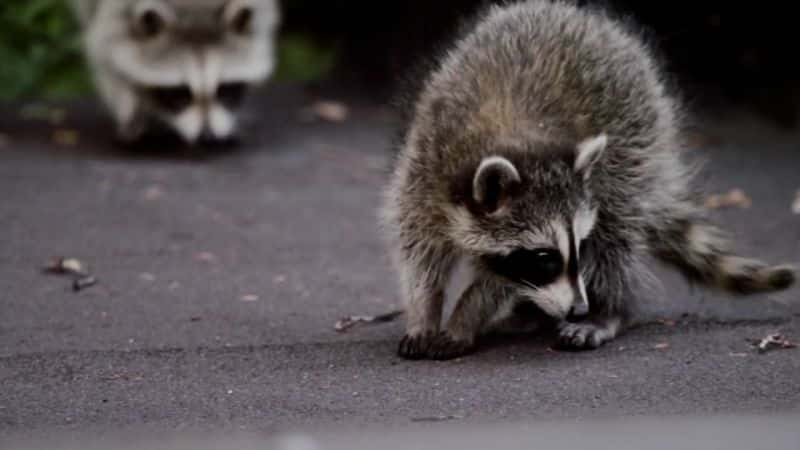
(495, 182)
(588, 152)
(151, 18)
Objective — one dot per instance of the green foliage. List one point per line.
(300, 58)
(41, 59)
(40, 53)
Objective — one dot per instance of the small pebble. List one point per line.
(83, 283)
(149, 277)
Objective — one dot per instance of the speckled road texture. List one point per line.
(221, 277)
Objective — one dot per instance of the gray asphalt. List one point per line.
(220, 280)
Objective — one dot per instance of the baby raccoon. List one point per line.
(544, 150)
(186, 64)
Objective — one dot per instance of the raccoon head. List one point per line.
(188, 64)
(524, 215)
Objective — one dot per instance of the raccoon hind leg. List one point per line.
(703, 254)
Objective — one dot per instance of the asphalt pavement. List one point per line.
(220, 277)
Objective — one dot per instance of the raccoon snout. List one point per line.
(231, 95)
(174, 99)
(579, 309)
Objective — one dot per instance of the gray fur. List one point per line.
(533, 83)
(179, 63)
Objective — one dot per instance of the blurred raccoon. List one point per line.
(183, 64)
(544, 152)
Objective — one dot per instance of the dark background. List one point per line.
(741, 53)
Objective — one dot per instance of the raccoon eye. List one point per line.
(538, 267)
(231, 94)
(150, 19)
(242, 20)
(545, 266)
(173, 99)
(151, 23)
(238, 17)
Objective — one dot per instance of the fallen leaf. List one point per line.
(771, 342)
(330, 111)
(149, 277)
(153, 193)
(661, 346)
(66, 137)
(66, 266)
(350, 322)
(206, 257)
(735, 198)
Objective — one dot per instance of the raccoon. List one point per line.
(180, 65)
(545, 151)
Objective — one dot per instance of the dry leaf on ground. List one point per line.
(64, 266)
(66, 137)
(349, 322)
(153, 193)
(330, 111)
(771, 342)
(736, 198)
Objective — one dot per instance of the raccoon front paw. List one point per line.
(444, 347)
(415, 346)
(582, 336)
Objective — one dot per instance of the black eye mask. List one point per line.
(537, 268)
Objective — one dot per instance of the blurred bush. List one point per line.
(41, 59)
(40, 51)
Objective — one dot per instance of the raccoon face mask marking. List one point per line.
(188, 64)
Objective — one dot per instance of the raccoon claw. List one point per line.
(443, 347)
(416, 346)
(581, 336)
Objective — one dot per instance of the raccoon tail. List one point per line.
(704, 254)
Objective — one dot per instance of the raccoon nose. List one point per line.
(580, 308)
(231, 94)
(173, 98)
